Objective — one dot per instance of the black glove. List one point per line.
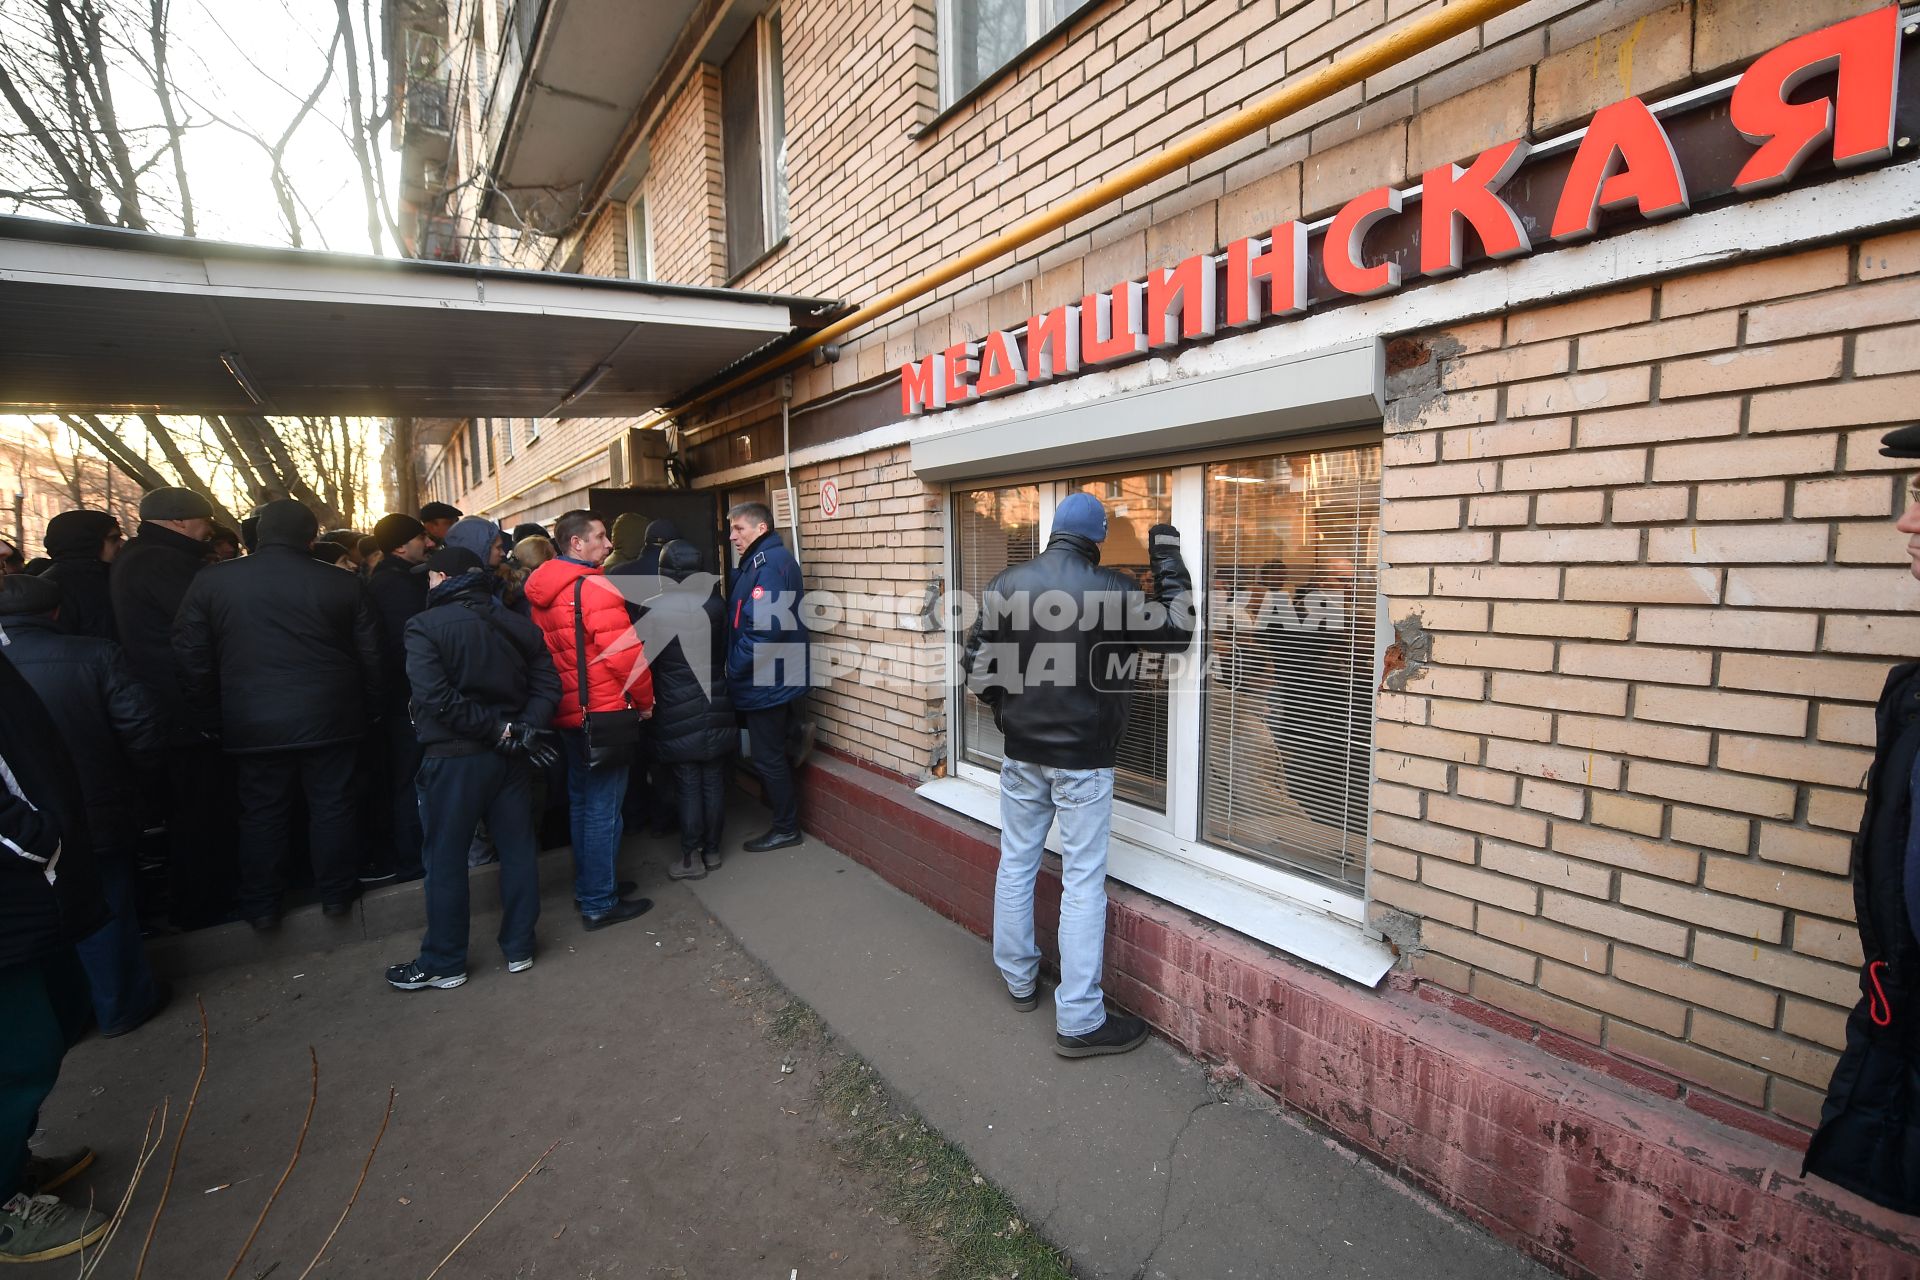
(1163, 540)
(1170, 576)
(525, 741)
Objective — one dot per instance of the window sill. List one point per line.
(772, 251)
(1297, 928)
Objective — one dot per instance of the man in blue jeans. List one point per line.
(483, 688)
(1058, 674)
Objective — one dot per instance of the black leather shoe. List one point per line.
(624, 888)
(265, 924)
(772, 840)
(335, 910)
(623, 910)
(1120, 1033)
(1028, 1002)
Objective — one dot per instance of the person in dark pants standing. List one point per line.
(281, 656)
(767, 662)
(49, 898)
(150, 579)
(683, 630)
(398, 594)
(83, 545)
(484, 688)
(104, 716)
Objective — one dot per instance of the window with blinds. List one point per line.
(992, 529)
(1135, 502)
(1293, 550)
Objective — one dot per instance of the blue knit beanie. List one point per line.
(1081, 513)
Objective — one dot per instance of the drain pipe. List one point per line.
(786, 456)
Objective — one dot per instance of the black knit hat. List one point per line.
(78, 533)
(396, 530)
(26, 595)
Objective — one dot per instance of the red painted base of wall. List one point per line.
(1595, 1166)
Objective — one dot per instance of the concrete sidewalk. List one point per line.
(1134, 1165)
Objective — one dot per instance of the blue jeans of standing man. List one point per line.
(1030, 796)
(594, 797)
(115, 956)
(456, 792)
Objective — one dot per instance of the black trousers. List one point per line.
(768, 730)
(393, 801)
(456, 792)
(266, 782)
(199, 806)
(702, 788)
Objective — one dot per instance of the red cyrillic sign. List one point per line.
(1831, 94)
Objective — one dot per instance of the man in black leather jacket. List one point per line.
(1053, 655)
(281, 657)
(484, 687)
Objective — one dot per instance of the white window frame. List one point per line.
(1164, 854)
(773, 223)
(639, 239)
(1038, 29)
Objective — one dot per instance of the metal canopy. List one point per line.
(107, 320)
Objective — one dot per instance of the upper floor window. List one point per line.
(753, 128)
(979, 37)
(639, 254)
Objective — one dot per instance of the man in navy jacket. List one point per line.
(767, 661)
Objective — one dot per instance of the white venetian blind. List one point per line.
(1293, 546)
(992, 529)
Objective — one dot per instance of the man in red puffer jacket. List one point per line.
(614, 678)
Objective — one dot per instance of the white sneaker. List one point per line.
(520, 966)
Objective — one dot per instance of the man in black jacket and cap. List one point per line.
(1869, 1135)
(104, 715)
(83, 545)
(281, 657)
(398, 595)
(1058, 681)
(484, 687)
(49, 899)
(149, 580)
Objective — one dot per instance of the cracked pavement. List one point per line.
(1134, 1165)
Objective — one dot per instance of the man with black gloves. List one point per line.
(398, 594)
(484, 687)
(281, 657)
(49, 899)
(1058, 681)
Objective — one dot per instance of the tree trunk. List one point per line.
(189, 477)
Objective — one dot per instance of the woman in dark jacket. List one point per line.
(83, 544)
(683, 630)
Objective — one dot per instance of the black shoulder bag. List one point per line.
(611, 735)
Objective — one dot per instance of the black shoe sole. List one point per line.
(1067, 1050)
(1025, 1004)
(767, 846)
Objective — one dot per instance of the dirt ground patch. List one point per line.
(646, 1050)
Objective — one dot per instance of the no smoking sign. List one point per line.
(829, 499)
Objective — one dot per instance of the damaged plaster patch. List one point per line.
(1413, 377)
(1408, 655)
(1400, 930)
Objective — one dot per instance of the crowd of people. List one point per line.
(194, 722)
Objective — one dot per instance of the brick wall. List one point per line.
(885, 700)
(1650, 532)
(685, 186)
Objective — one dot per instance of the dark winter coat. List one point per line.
(766, 638)
(86, 597)
(1060, 696)
(280, 652)
(398, 595)
(1869, 1135)
(149, 580)
(49, 885)
(475, 666)
(684, 630)
(103, 712)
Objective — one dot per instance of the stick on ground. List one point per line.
(179, 1139)
(532, 1169)
(312, 1098)
(356, 1188)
